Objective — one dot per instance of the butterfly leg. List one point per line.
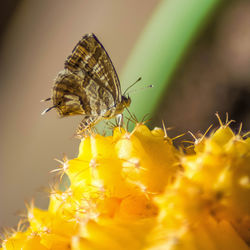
(119, 120)
(86, 124)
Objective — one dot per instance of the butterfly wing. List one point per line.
(88, 85)
(75, 95)
(90, 57)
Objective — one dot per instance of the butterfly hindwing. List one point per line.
(76, 95)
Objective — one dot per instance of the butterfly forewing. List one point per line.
(90, 57)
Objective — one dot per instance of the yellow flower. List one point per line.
(137, 191)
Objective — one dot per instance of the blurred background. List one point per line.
(212, 74)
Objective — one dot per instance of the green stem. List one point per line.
(159, 49)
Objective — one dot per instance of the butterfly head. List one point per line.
(126, 101)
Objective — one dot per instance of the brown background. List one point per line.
(37, 36)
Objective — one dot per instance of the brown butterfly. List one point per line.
(88, 85)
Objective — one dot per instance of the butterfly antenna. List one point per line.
(146, 87)
(132, 85)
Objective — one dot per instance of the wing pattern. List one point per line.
(90, 57)
(88, 85)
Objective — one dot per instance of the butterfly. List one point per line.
(88, 85)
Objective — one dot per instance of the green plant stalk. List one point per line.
(160, 48)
